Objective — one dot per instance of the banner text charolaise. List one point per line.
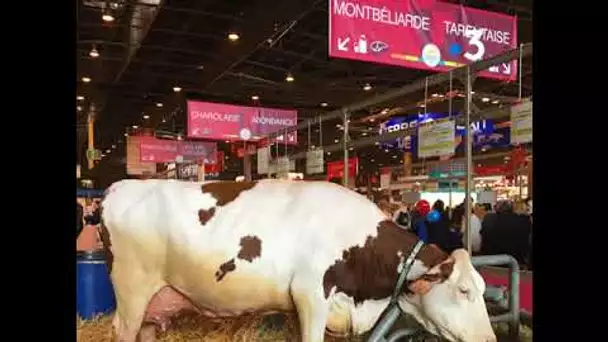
(381, 15)
(215, 116)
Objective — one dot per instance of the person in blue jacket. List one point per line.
(419, 224)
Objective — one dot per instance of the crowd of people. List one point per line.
(505, 228)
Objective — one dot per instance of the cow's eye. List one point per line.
(464, 291)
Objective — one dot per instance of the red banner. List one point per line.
(215, 169)
(230, 122)
(491, 170)
(336, 169)
(165, 151)
(421, 34)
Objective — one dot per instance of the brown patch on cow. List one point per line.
(370, 272)
(205, 215)
(251, 248)
(226, 267)
(226, 192)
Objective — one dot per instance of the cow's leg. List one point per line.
(133, 289)
(312, 307)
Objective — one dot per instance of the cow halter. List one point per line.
(406, 265)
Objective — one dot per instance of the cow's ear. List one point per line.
(437, 274)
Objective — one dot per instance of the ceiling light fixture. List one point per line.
(485, 99)
(86, 79)
(233, 36)
(107, 17)
(255, 97)
(367, 87)
(323, 104)
(94, 53)
(146, 117)
(177, 89)
(108, 151)
(495, 102)
(135, 127)
(289, 78)
(158, 104)
(80, 98)
(78, 108)
(126, 134)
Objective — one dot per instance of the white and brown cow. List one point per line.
(316, 248)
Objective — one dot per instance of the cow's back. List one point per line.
(235, 253)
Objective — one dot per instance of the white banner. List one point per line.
(521, 123)
(283, 164)
(436, 138)
(315, 162)
(385, 180)
(263, 160)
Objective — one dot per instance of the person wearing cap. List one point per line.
(419, 223)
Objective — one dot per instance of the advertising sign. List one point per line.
(485, 135)
(263, 160)
(421, 34)
(436, 138)
(230, 122)
(135, 166)
(521, 123)
(315, 162)
(336, 169)
(154, 150)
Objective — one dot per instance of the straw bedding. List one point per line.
(199, 329)
(241, 329)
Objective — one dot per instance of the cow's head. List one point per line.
(444, 292)
(448, 301)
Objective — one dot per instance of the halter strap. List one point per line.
(406, 265)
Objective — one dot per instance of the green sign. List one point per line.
(439, 175)
(93, 154)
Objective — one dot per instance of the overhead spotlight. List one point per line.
(158, 104)
(323, 104)
(384, 111)
(108, 151)
(485, 99)
(367, 87)
(495, 102)
(135, 127)
(146, 117)
(164, 120)
(179, 137)
(233, 36)
(126, 134)
(372, 120)
(107, 17)
(472, 92)
(94, 53)
(255, 97)
(177, 89)
(289, 78)
(422, 105)
(78, 108)
(103, 155)
(79, 98)
(336, 141)
(86, 79)
(435, 95)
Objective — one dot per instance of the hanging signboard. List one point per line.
(165, 151)
(521, 123)
(283, 165)
(487, 196)
(315, 162)
(385, 180)
(421, 34)
(263, 160)
(230, 122)
(436, 138)
(135, 166)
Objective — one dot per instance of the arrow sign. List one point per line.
(507, 67)
(342, 44)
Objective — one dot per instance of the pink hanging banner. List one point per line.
(421, 34)
(154, 150)
(219, 121)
